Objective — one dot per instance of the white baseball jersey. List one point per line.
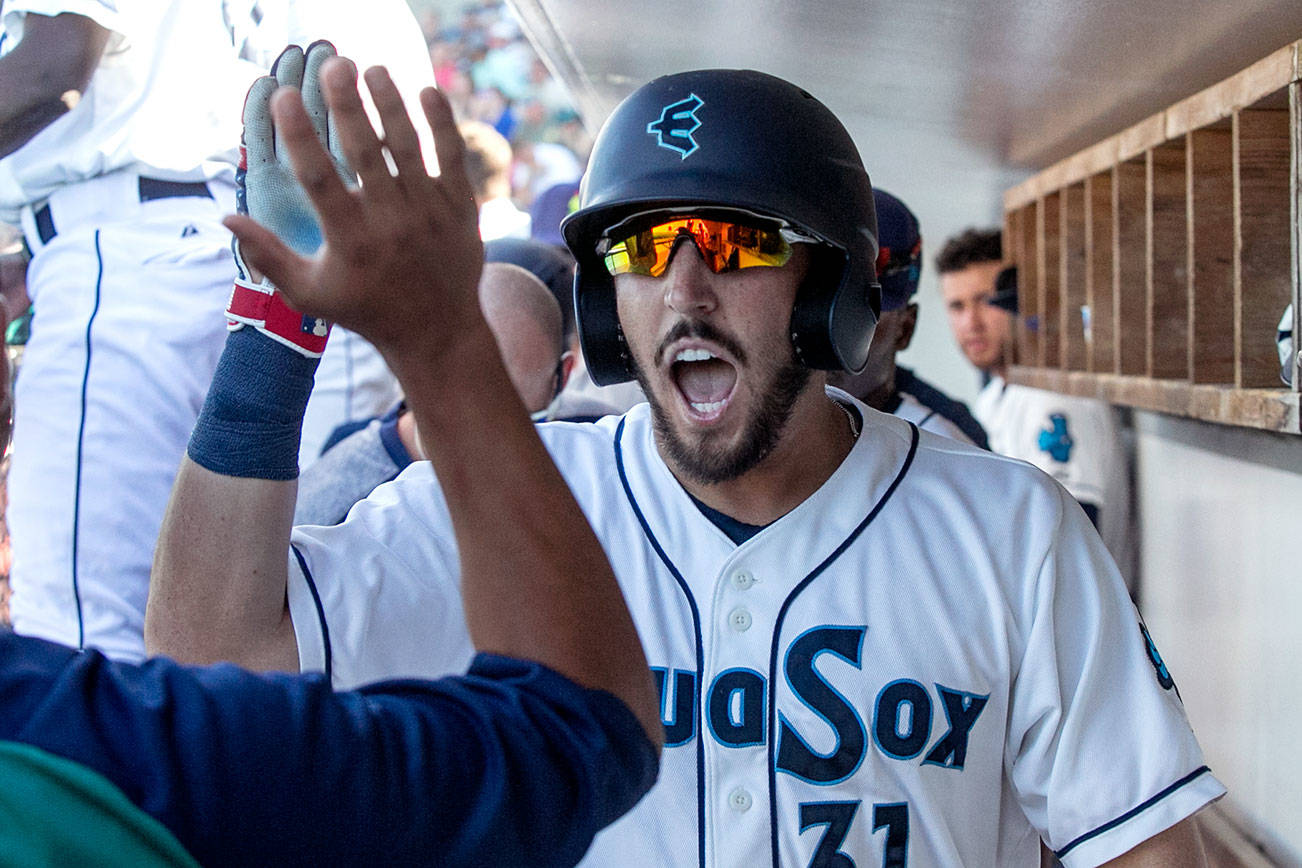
(128, 290)
(164, 100)
(930, 661)
(129, 286)
(1077, 441)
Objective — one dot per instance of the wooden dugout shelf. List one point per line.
(1154, 266)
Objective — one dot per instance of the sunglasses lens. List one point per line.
(724, 246)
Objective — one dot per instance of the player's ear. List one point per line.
(566, 368)
(908, 324)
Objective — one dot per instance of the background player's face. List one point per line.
(713, 355)
(983, 331)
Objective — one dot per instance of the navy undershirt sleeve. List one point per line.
(510, 764)
(1091, 510)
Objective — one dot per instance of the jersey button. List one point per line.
(742, 580)
(739, 800)
(739, 620)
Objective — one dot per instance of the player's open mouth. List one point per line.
(705, 382)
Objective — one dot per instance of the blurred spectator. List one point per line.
(507, 61)
(492, 74)
(488, 165)
(540, 166)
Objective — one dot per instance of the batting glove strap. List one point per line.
(260, 306)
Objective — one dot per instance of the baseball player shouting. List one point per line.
(860, 661)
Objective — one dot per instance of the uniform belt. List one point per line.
(149, 188)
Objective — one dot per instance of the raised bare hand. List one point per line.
(401, 256)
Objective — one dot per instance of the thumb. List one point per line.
(264, 251)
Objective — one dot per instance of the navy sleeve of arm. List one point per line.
(510, 764)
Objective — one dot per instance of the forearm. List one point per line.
(217, 590)
(1180, 846)
(45, 74)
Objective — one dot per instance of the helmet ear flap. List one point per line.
(831, 330)
(597, 319)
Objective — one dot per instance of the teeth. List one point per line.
(706, 406)
(694, 355)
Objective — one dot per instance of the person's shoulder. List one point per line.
(954, 411)
(588, 429)
(591, 448)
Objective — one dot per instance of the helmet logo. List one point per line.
(676, 124)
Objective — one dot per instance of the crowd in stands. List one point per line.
(492, 74)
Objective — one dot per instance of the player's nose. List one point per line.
(970, 319)
(689, 281)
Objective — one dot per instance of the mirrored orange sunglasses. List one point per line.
(725, 245)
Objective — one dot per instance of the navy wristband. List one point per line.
(252, 420)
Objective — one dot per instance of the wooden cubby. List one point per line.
(1154, 266)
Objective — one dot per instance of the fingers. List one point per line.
(259, 133)
(312, 165)
(313, 99)
(449, 147)
(348, 119)
(266, 253)
(288, 68)
(399, 134)
(287, 71)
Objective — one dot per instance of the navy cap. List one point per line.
(899, 257)
(551, 207)
(1006, 290)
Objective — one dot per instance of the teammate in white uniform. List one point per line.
(119, 191)
(858, 659)
(1077, 441)
(120, 200)
(883, 385)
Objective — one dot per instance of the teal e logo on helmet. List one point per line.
(676, 124)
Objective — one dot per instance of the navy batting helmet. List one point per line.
(899, 254)
(736, 140)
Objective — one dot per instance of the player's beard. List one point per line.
(703, 457)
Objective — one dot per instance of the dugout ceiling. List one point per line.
(984, 85)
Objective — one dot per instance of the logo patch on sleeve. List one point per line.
(676, 124)
(1055, 440)
(1163, 675)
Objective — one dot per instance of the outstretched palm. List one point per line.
(401, 255)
